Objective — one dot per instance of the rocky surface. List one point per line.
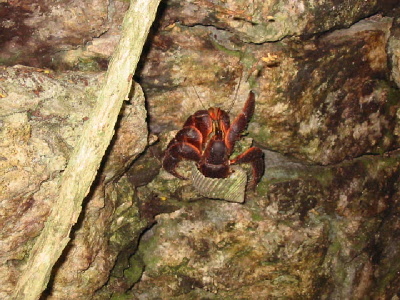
(38, 33)
(309, 232)
(265, 21)
(323, 222)
(323, 100)
(42, 115)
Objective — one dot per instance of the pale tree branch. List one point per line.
(89, 150)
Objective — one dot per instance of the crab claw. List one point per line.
(240, 123)
(177, 152)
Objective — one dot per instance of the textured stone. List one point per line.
(42, 114)
(323, 100)
(39, 33)
(323, 223)
(261, 21)
(317, 233)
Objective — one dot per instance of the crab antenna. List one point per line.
(236, 92)
(198, 97)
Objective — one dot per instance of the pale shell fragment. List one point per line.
(230, 189)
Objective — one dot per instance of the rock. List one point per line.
(53, 33)
(323, 100)
(265, 21)
(42, 115)
(323, 222)
(316, 232)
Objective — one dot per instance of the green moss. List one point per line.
(242, 253)
(333, 250)
(282, 174)
(324, 176)
(88, 65)
(262, 188)
(11, 60)
(257, 217)
(181, 268)
(235, 53)
(121, 297)
(373, 166)
(393, 95)
(134, 272)
(263, 136)
(147, 250)
(392, 272)
(286, 280)
(126, 219)
(267, 263)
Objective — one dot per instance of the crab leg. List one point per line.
(189, 135)
(177, 152)
(255, 157)
(240, 123)
(200, 121)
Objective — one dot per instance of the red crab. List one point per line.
(208, 139)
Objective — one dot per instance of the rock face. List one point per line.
(37, 33)
(265, 21)
(311, 232)
(323, 223)
(42, 116)
(323, 100)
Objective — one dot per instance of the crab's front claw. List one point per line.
(177, 152)
(240, 123)
(255, 157)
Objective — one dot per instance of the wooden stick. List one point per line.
(89, 150)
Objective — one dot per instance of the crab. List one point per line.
(208, 139)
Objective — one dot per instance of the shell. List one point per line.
(231, 189)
